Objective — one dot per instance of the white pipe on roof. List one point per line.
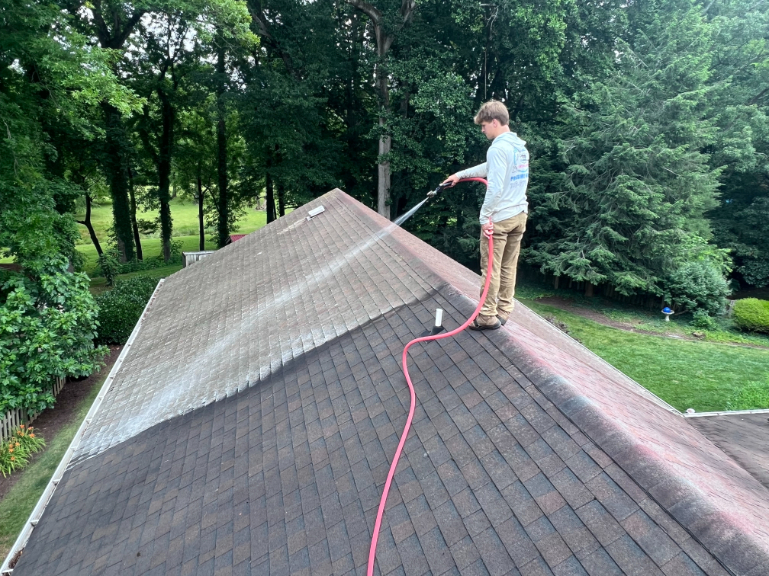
(34, 518)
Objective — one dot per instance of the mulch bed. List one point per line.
(54, 419)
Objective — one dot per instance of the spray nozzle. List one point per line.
(440, 187)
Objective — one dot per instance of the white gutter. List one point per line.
(34, 518)
(726, 413)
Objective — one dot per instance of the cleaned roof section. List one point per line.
(251, 425)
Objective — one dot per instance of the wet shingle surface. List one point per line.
(269, 456)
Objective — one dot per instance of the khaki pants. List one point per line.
(507, 246)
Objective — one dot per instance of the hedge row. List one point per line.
(121, 308)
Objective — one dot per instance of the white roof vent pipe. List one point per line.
(314, 212)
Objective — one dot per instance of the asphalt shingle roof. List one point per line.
(251, 426)
(744, 437)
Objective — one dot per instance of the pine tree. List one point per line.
(637, 184)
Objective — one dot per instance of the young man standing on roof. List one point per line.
(507, 171)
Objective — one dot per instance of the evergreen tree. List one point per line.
(739, 109)
(637, 184)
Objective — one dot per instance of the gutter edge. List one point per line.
(37, 512)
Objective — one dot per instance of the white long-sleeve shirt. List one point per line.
(507, 171)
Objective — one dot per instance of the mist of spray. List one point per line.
(403, 217)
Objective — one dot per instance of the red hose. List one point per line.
(396, 457)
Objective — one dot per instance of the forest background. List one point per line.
(646, 122)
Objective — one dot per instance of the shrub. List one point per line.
(752, 396)
(120, 308)
(47, 328)
(752, 314)
(148, 263)
(697, 285)
(141, 265)
(703, 321)
(109, 265)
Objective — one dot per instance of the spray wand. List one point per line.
(440, 187)
(433, 193)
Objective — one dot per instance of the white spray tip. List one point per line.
(438, 317)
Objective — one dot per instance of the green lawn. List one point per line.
(18, 504)
(686, 374)
(185, 230)
(184, 215)
(724, 330)
(150, 249)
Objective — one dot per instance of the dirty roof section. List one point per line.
(251, 425)
(744, 437)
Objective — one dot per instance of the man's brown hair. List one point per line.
(492, 110)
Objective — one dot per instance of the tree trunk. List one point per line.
(383, 42)
(117, 142)
(164, 173)
(134, 222)
(556, 281)
(223, 232)
(385, 141)
(383, 172)
(200, 212)
(281, 200)
(87, 223)
(115, 167)
(270, 200)
(589, 289)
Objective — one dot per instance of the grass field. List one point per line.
(686, 374)
(185, 230)
(724, 330)
(150, 248)
(184, 215)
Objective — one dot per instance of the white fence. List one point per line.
(14, 418)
